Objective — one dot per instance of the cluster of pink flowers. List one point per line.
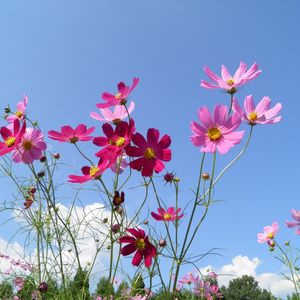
(204, 286)
(26, 144)
(217, 131)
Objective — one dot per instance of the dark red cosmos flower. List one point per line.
(114, 141)
(138, 243)
(68, 134)
(151, 153)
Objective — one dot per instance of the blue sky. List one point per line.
(64, 54)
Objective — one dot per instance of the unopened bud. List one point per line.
(146, 222)
(32, 190)
(115, 228)
(297, 268)
(271, 249)
(105, 220)
(56, 155)
(41, 174)
(287, 243)
(205, 176)
(162, 243)
(42, 158)
(43, 287)
(7, 110)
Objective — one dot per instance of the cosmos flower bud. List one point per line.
(56, 155)
(115, 228)
(42, 158)
(162, 243)
(118, 199)
(43, 287)
(105, 220)
(205, 176)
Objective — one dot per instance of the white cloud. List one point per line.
(243, 265)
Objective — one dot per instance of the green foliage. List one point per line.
(103, 287)
(121, 289)
(138, 285)
(293, 297)
(6, 290)
(29, 287)
(245, 288)
(79, 287)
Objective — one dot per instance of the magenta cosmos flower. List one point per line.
(228, 82)
(268, 234)
(167, 215)
(68, 134)
(114, 141)
(11, 137)
(30, 147)
(139, 243)
(261, 114)
(296, 216)
(151, 152)
(89, 173)
(120, 97)
(115, 116)
(216, 132)
(21, 111)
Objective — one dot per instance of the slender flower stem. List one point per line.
(179, 261)
(229, 165)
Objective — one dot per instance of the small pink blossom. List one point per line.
(30, 147)
(120, 97)
(167, 215)
(68, 134)
(295, 216)
(19, 283)
(216, 132)
(21, 111)
(269, 233)
(120, 164)
(202, 288)
(261, 114)
(228, 82)
(189, 278)
(115, 116)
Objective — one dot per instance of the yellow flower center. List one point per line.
(118, 95)
(252, 116)
(93, 170)
(18, 114)
(140, 244)
(271, 235)
(119, 142)
(73, 139)
(230, 82)
(10, 141)
(167, 216)
(27, 145)
(214, 134)
(149, 153)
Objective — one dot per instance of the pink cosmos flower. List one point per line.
(201, 288)
(115, 116)
(120, 97)
(21, 111)
(296, 216)
(30, 147)
(68, 134)
(19, 283)
(139, 243)
(167, 215)
(228, 82)
(115, 140)
(89, 173)
(11, 137)
(151, 153)
(216, 132)
(268, 234)
(261, 114)
(189, 278)
(120, 165)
